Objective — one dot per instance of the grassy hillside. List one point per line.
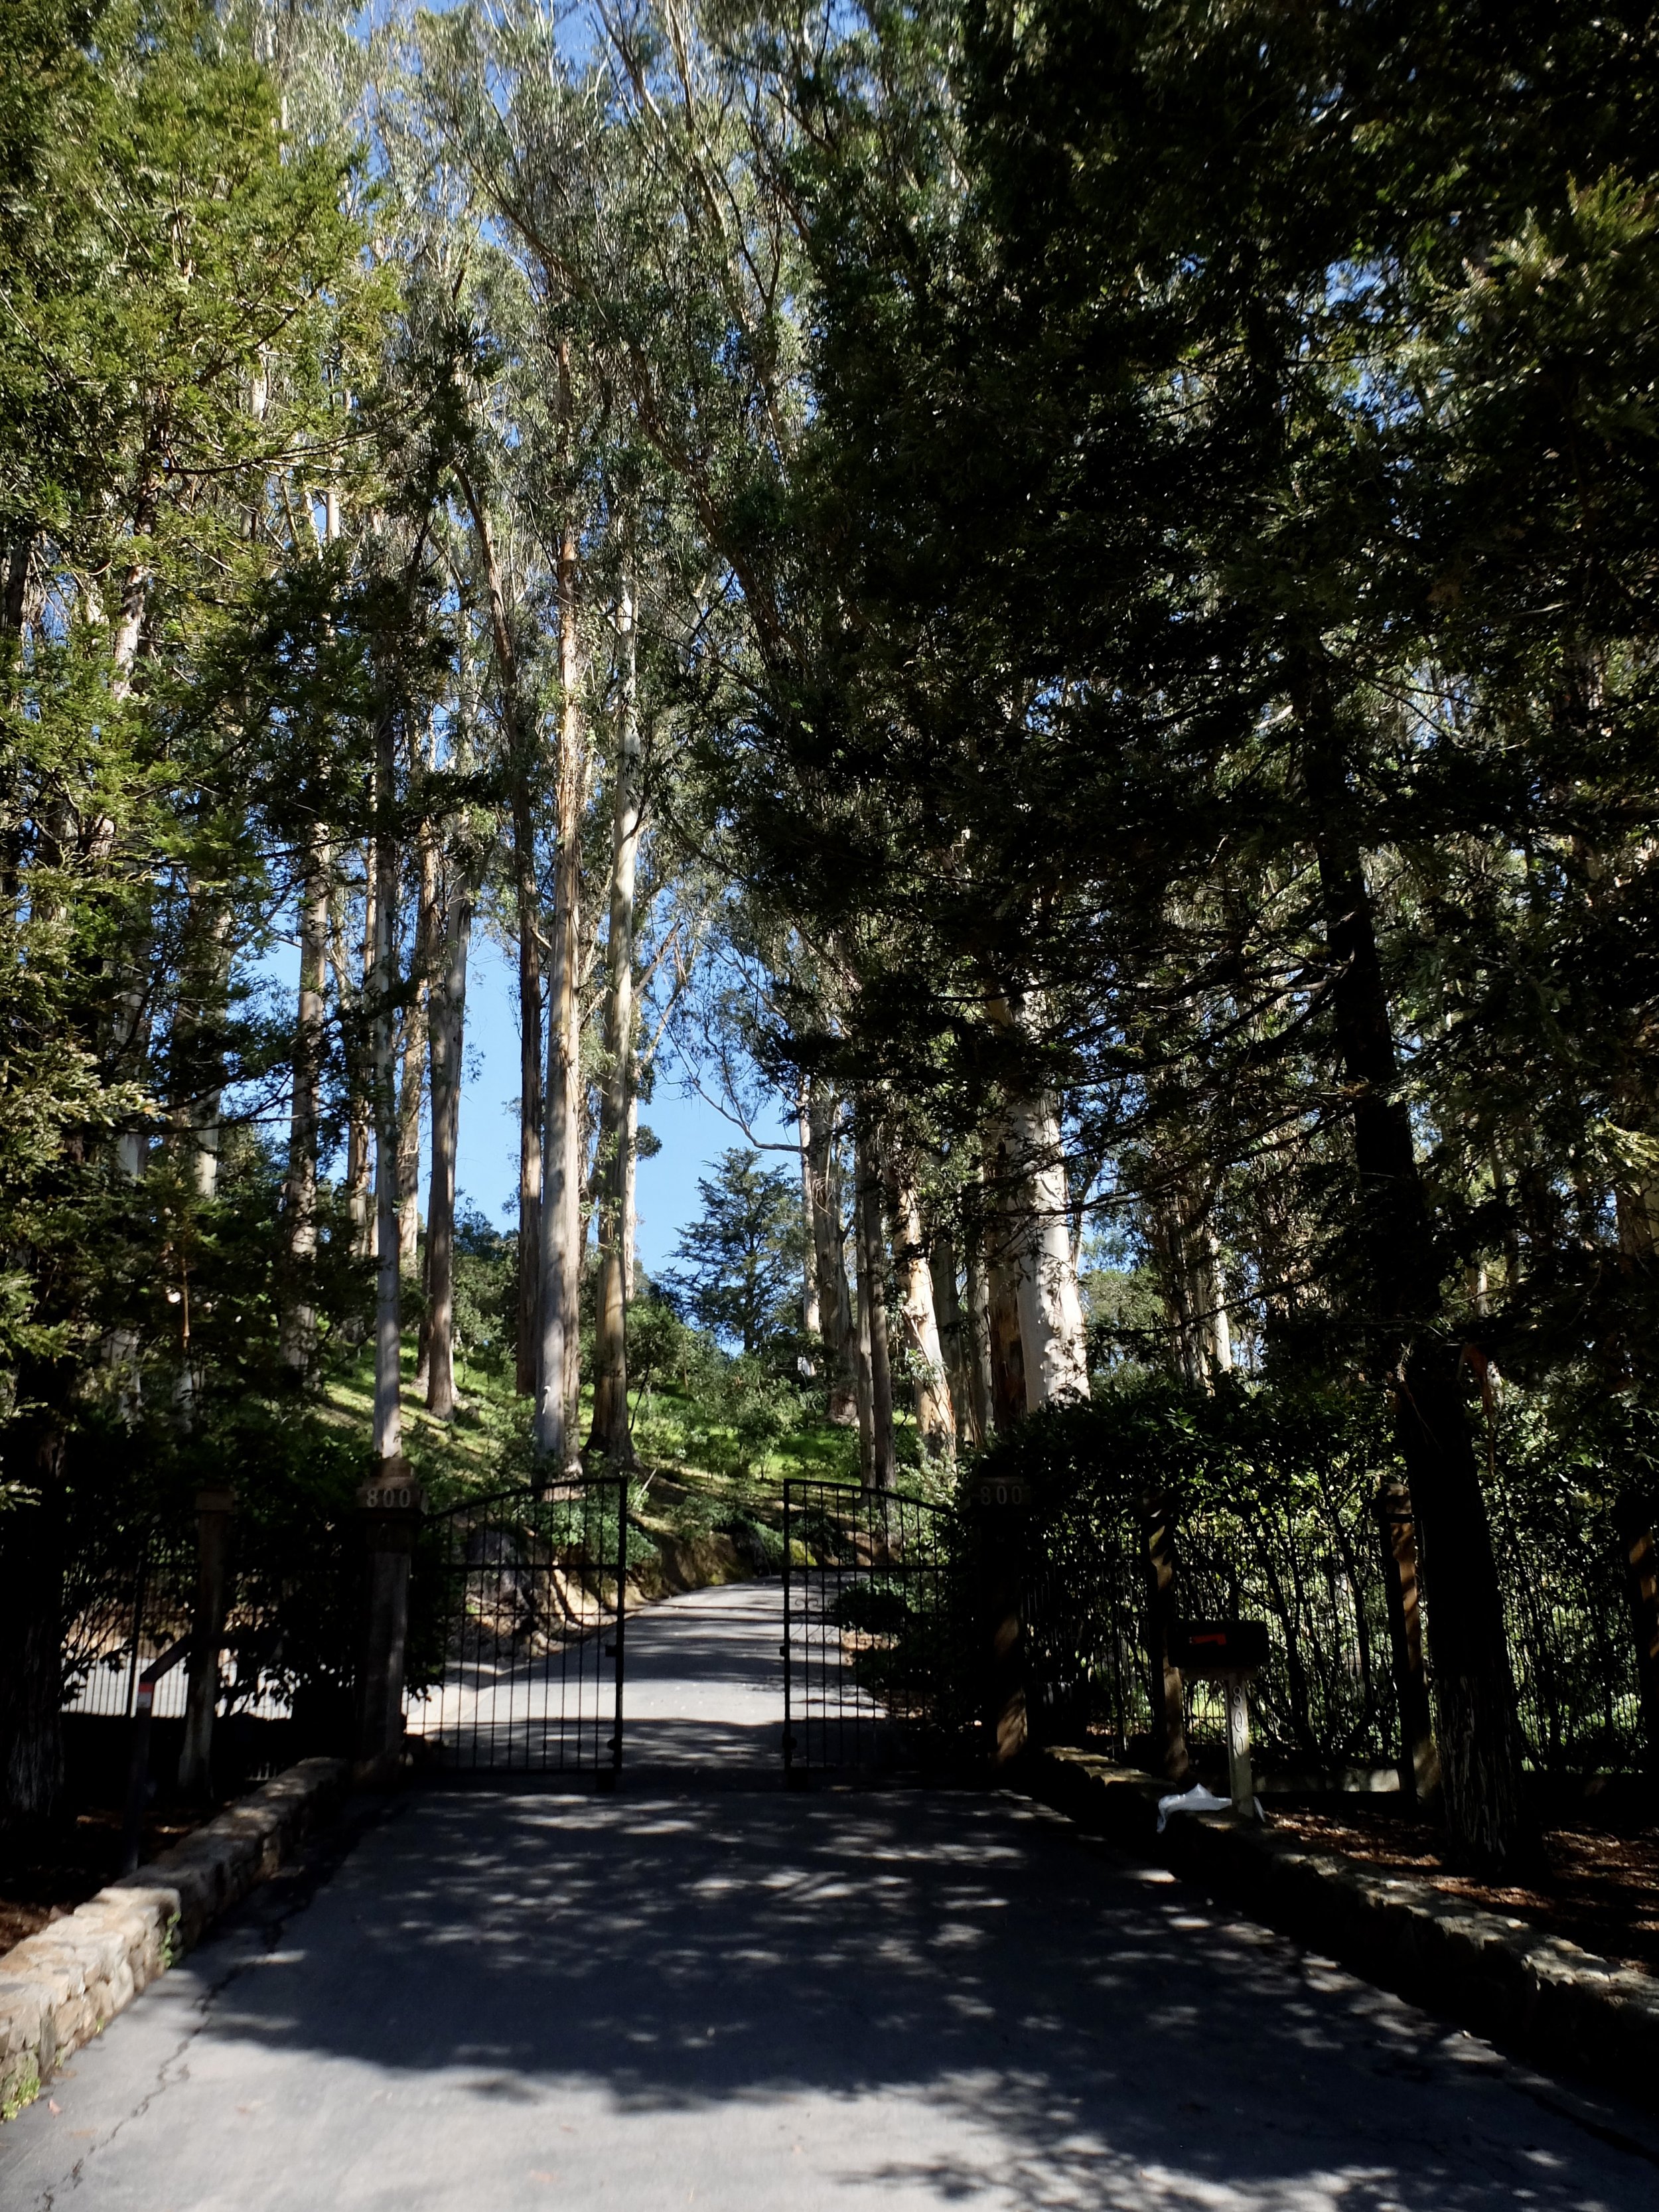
(714, 1445)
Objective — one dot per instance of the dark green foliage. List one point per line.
(486, 1293)
(1272, 1491)
(744, 1254)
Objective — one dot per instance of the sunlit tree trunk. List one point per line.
(412, 1089)
(560, 1244)
(516, 724)
(1181, 1232)
(829, 1256)
(934, 1418)
(448, 1040)
(811, 1314)
(872, 1313)
(977, 1298)
(610, 1430)
(355, 996)
(388, 1410)
(630, 1163)
(952, 1334)
(1051, 1330)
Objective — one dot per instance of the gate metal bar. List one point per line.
(877, 1668)
(532, 1586)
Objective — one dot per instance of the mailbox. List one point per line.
(1228, 1651)
(1212, 1648)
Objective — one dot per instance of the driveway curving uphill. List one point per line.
(686, 1994)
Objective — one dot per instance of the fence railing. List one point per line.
(1312, 1566)
(878, 1665)
(123, 1607)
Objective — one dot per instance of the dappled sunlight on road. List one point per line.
(683, 1994)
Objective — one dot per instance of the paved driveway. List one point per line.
(704, 1992)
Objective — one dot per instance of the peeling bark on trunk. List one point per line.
(1187, 1257)
(411, 1090)
(359, 1057)
(388, 1409)
(873, 1304)
(630, 1163)
(980, 1377)
(1051, 1331)
(952, 1335)
(448, 1039)
(1007, 1350)
(811, 1302)
(823, 1192)
(610, 1432)
(561, 1148)
(935, 1420)
(527, 902)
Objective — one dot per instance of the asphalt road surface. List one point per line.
(703, 1991)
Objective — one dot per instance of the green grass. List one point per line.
(674, 1490)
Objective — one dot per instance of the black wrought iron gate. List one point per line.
(520, 1598)
(876, 1644)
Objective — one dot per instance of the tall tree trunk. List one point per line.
(610, 1431)
(412, 1089)
(1051, 1332)
(359, 1072)
(1009, 1397)
(873, 1304)
(1479, 1737)
(562, 1150)
(530, 1096)
(14, 589)
(388, 1405)
(811, 1302)
(935, 1420)
(199, 1035)
(976, 1293)
(448, 1038)
(1181, 1232)
(1218, 1343)
(952, 1334)
(527, 901)
(630, 1166)
(297, 1337)
(823, 1193)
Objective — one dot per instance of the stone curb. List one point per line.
(1564, 2007)
(59, 1986)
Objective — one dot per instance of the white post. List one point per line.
(1239, 1779)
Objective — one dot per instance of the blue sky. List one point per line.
(692, 1133)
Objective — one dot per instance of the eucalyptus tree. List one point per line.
(176, 274)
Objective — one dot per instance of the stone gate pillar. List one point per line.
(1003, 1511)
(389, 1505)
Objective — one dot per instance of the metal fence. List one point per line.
(1311, 1564)
(123, 1606)
(526, 1593)
(877, 1660)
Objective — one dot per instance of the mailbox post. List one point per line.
(1228, 1652)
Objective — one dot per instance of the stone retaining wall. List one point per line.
(60, 1985)
(1529, 1992)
